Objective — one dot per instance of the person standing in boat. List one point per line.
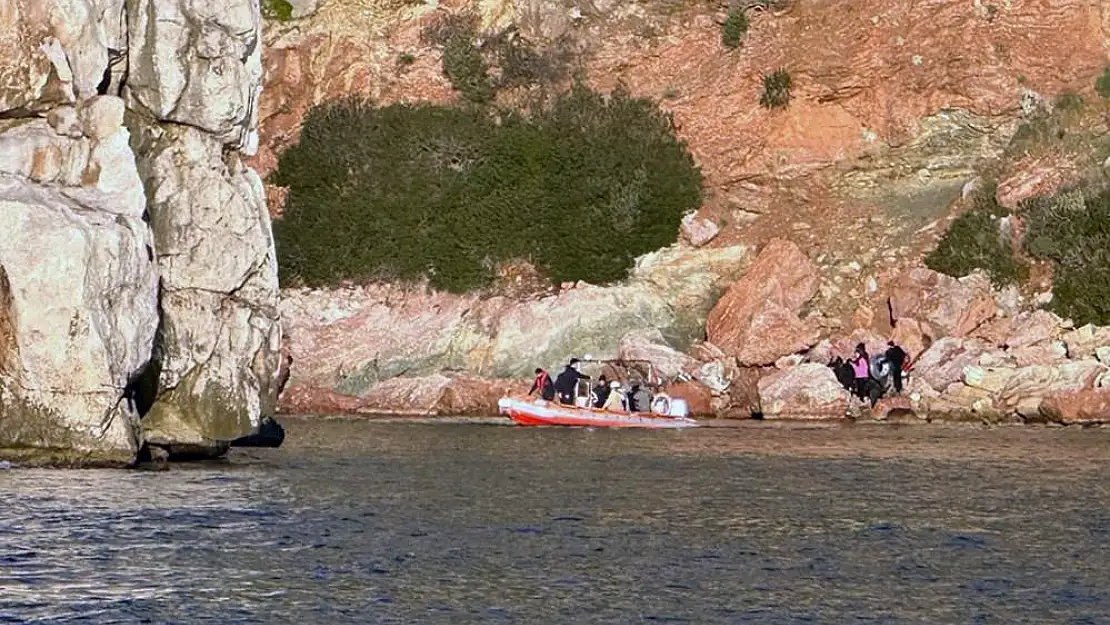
(639, 400)
(601, 391)
(566, 385)
(543, 384)
(615, 401)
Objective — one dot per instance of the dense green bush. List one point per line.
(776, 89)
(579, 187)
(1102, 83)
(734, 28)
(280, 10)
(974, 241)
(1073, 232)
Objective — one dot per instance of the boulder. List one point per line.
(1030, 328)
(909, 334)
(699, 398)
(952, 307)
(944, 362)
(1084, 342)
(78, 313)
(895, 408)
(757, 318)
(648, 344)
(1085, 406)
(698, 230)
(808, 391)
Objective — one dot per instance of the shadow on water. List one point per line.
(355, 522)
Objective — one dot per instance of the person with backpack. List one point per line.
(543, 384)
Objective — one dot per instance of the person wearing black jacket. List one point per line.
(601, 392)
(566, 385)
(896, 356)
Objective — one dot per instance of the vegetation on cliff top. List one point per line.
(579, 187)
(1070, 230)
(975, 241)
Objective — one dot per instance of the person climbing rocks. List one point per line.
(543, 384)
(861, 367)
(896, 356)
(566, 385)
(601, 391)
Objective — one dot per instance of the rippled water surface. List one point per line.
(358, 522)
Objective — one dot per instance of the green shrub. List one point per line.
(1072, 231)
(776, 89)
(462, 61)
(280, 10)
(974, 241)
(1102, 83)
(734, 28)
(580, 188)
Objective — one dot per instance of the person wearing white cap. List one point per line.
(615, 401)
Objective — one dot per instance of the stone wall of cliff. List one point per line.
(138, 283)
(897, 108)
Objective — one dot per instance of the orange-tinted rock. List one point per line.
(909, 334)
(316, 400)
(1032, 328)
(808, 391)
(954, 307)
(699, 399)
(893, 407)
(1077, 407)
(757, 318)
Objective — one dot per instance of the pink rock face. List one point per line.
(943, 364)
(808, 391)
(1032, 328)
(1037, 176)
(439, 396)
(1078, 407)
(757, 318)
(953, 307)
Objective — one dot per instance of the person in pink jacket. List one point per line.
(861, 364)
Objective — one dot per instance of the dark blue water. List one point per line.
(401, 523)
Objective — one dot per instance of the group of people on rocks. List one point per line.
(606, 394)
(871, 377)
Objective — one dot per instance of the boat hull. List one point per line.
(550, 413)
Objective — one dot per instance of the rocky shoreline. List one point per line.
(977, 354)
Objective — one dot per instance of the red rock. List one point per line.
(1077, 407)
(699, 399)
(953, 307)
(757, 318)
(808, 391)
(316, 400)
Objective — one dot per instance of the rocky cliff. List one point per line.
(138, 284)
(897, 110)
